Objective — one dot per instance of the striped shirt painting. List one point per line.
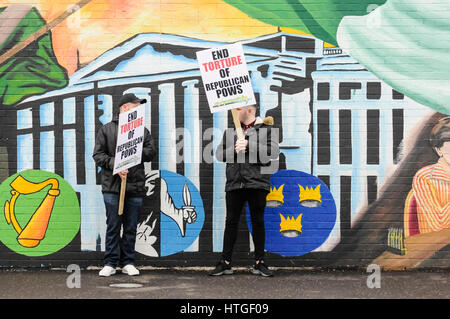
(431, 186)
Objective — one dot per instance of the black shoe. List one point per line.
(222, 269)
(261, 269)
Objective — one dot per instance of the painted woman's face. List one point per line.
(444, 151)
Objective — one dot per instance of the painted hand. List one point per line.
(189, 214)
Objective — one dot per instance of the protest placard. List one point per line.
(225, 77)
(130, 141)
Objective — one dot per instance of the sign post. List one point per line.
(237, 124)
(226, 80)
(130, 142)
(123, 186)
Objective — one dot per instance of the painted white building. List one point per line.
(359, 125)
(56, 131)
(337, 120)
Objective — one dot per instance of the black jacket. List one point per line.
(104, 152)
(253, 168)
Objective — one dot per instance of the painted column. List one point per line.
(334, 171)
(69, 142)
(47, 138)
(105, 103)
(296, 120)
(359, 161)
(93, 219)
(220, 123)
(334, 237)
(167, 128)
(24, 152)
(386, 144)
(192, 140)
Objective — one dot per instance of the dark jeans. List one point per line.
(235, 201)
(119, 251)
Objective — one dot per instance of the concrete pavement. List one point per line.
(196, 284)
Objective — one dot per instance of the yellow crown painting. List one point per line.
(275, 198)
(310, 197)
(290, 227)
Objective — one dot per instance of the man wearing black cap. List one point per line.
(120, 251)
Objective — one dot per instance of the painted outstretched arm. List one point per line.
(182, 216)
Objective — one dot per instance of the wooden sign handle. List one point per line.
(123, 186)
(237, 124)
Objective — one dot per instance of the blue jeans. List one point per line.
(120, 251)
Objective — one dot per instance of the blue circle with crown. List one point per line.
(300, 213)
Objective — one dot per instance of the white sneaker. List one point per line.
(130, 270)
(107, 271)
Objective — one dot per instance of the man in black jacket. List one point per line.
(120, 251)
(250, 162)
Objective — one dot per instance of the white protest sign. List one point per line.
(130, 139)
(225, 77)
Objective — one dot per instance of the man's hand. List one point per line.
(123, 174)
(240, 145)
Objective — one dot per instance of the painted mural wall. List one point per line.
(359, 99)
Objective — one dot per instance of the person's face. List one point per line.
(245, 112)
(444, 151)
(128, 106)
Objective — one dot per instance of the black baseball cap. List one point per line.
(130, 98)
